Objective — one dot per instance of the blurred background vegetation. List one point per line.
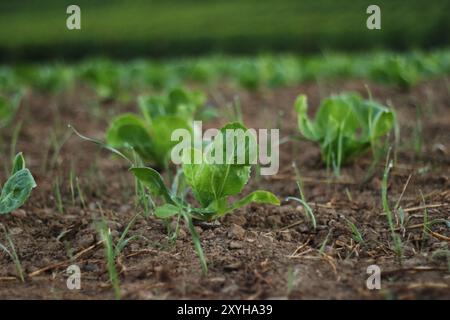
(31, 30)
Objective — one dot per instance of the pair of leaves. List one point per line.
(18, 187)
(345, 125)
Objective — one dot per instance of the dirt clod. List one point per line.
(236, 232)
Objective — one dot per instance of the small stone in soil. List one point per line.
(19, 213)
(124, 208)
(240, 220)
(231, 288)
(274, 220)
(199, 230)
(15, 231)
(303, 228)
(90, 267)
(162, 274)
(235, 245)
(286, 236)
(181, 234)
(233, 266)
(217, 280)
(86, 240)
(236, 232)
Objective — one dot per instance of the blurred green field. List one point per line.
(31, 30)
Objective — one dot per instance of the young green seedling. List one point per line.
(345, 126)
(398, 245)
(10, 250)
(113, 248)
(302, 200)
(212, 185)
(18, 187)
(150, 135)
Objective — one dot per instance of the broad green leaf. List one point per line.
(336, 110)
(383, 123)
(238, 144)
(16, 191)
(345, 126)
(177, 97)
(18, 163)
(304, 123)
(153, 180)
(161, 132)
(258, 196)
(152, 107)
(151, 137)
(185, 103)
(166, 211)
(128, 131)
(198, 176)
(210, 181)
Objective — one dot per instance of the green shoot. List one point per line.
(196, 239)
(324, 242)
(14, 138)
(12, 253)
(105, 234)
(356, 234)
(113, 250)
(237, 110)
(80, 193)
(72, 184)
(302, 200)
(57, 194)
(291, 280)
(398, 246)
(425, 233)
(418, 132)
(348, 194)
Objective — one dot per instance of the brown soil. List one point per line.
(256, 252)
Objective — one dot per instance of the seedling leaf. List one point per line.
(153, 180)
(18, 163)
(166, 211)
(258, 196)
(16, 191)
